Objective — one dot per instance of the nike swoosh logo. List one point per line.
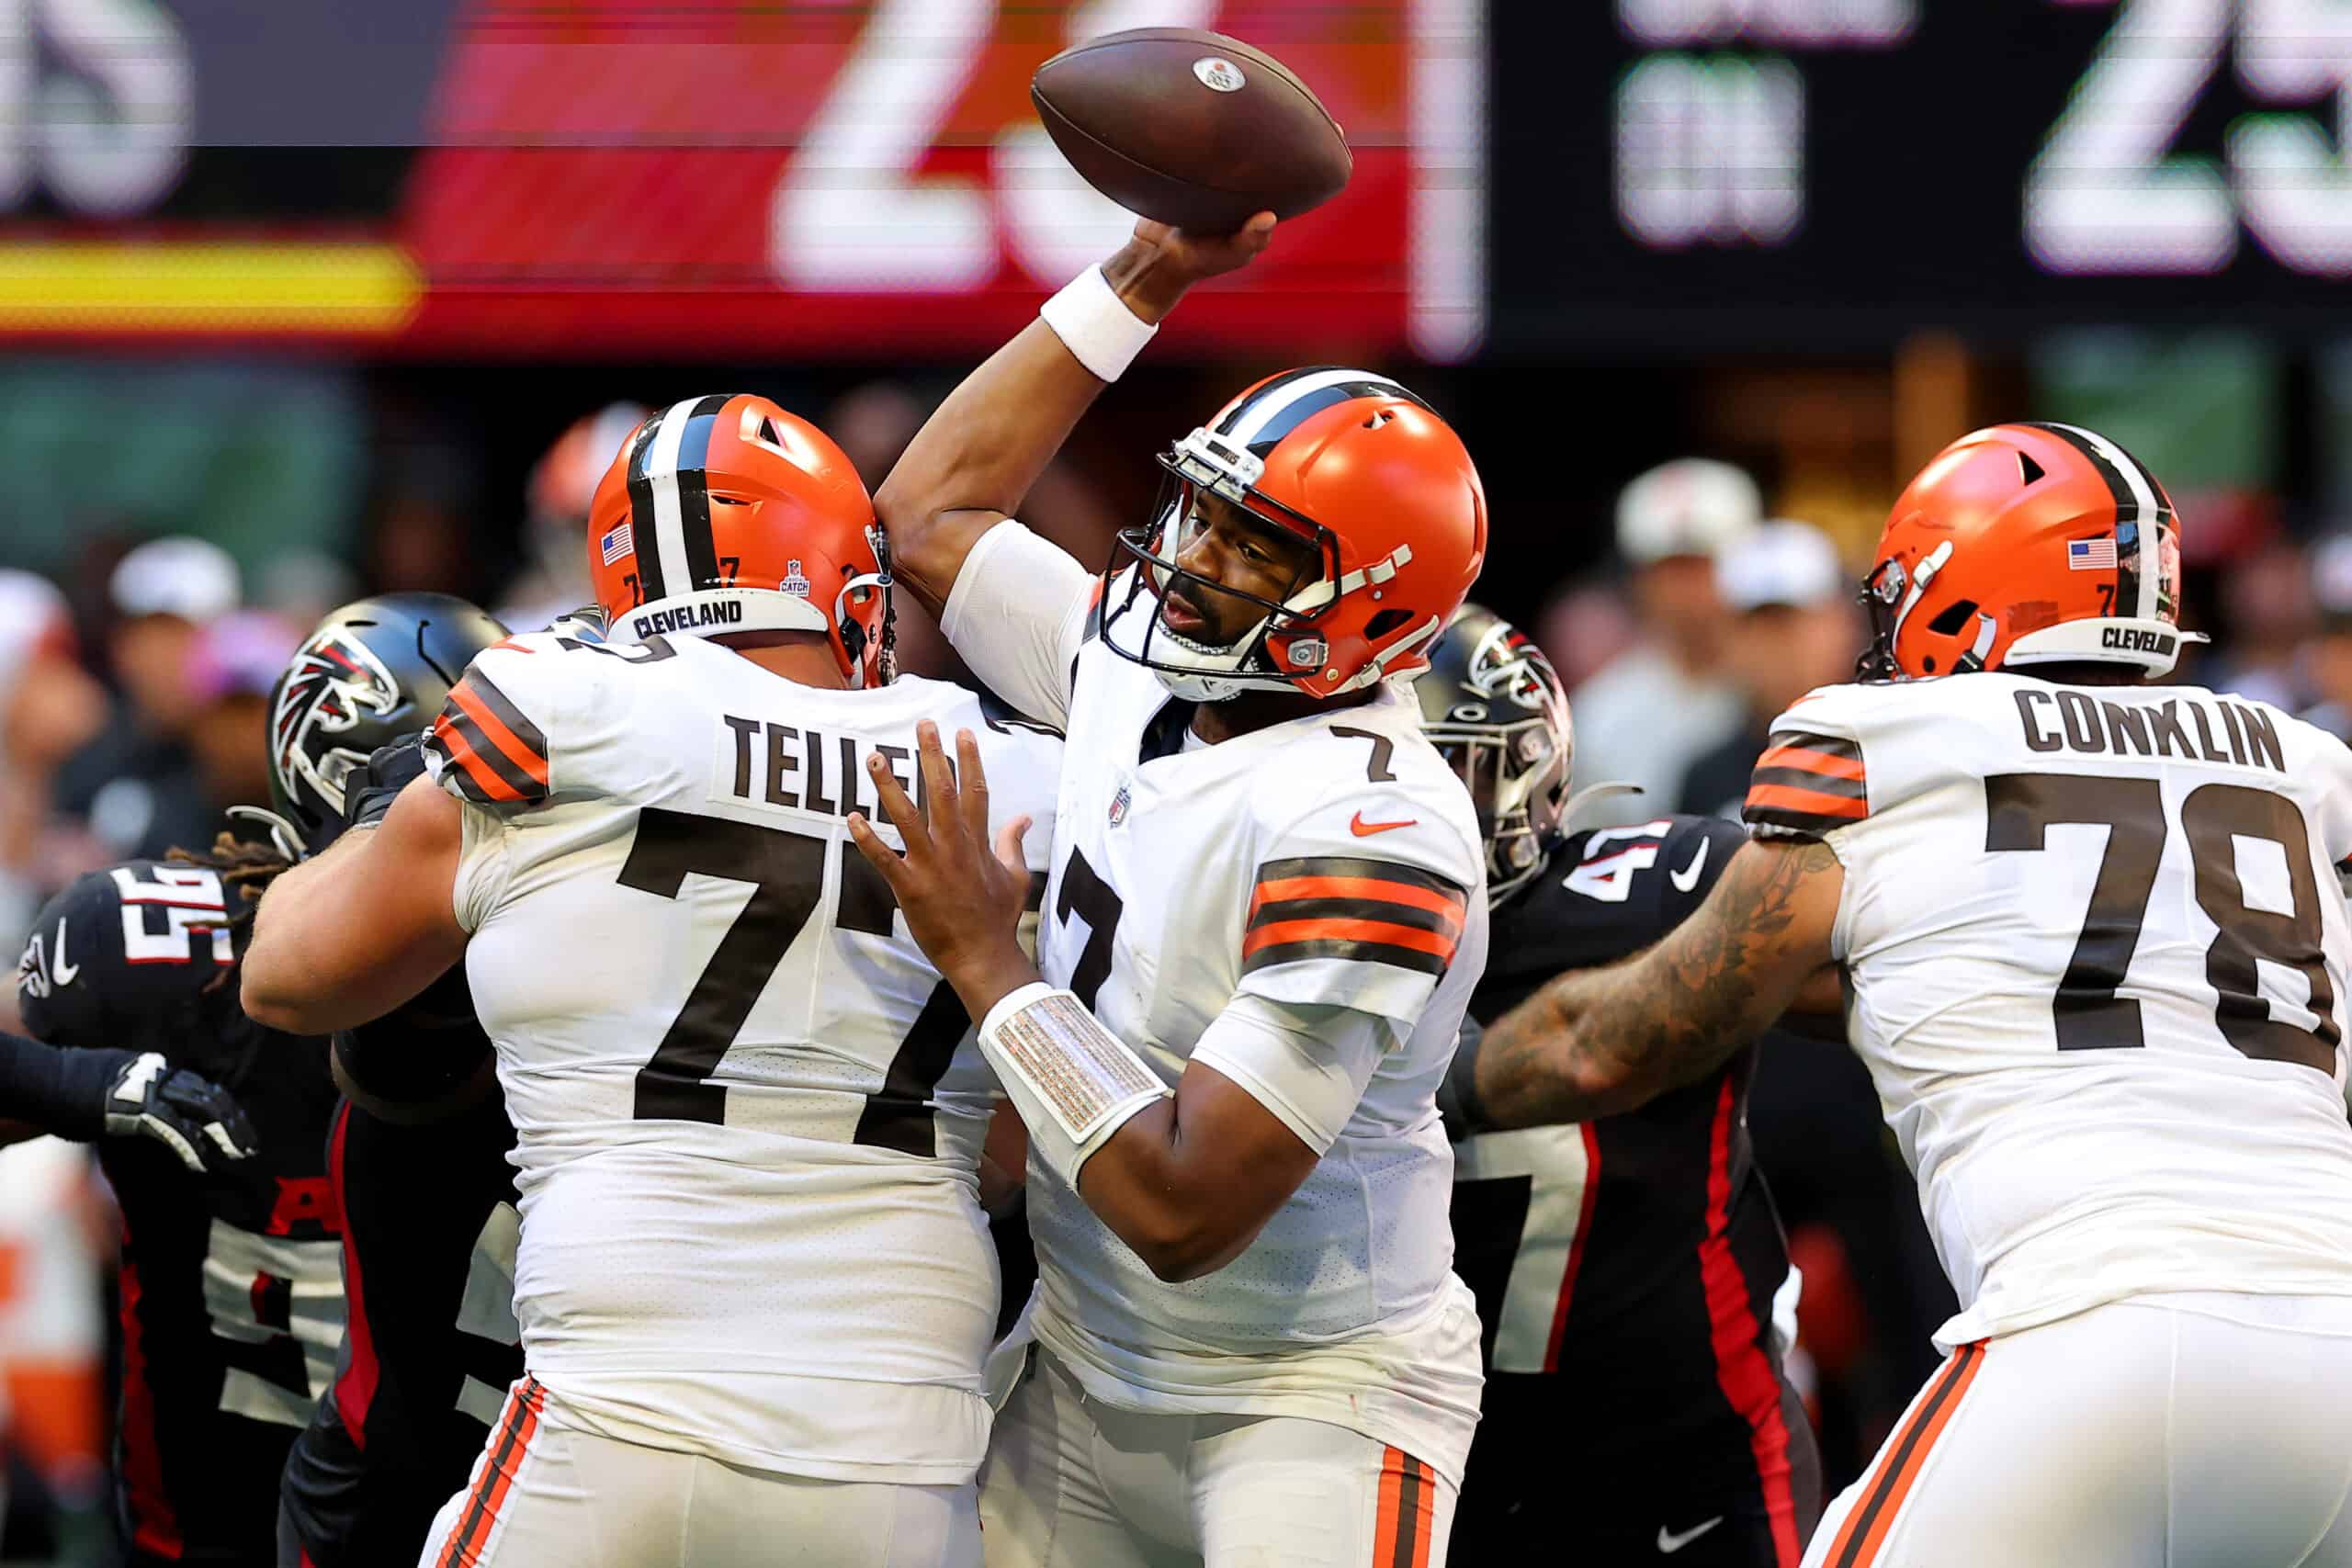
(1363, 830)
(1685, 880)
(61, 971)
(1666, 1540)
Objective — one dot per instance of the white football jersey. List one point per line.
(749, 1110)
(2098, 960)
(1329, 867)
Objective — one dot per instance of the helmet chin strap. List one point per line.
(1925, 574)
(1209, 675)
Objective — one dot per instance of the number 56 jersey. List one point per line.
(2098, 958)
(748, 1110)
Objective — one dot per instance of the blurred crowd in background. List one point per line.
(159, 569)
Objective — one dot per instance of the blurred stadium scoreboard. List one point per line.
(1794, 173)
(684, 178)
(674, 177)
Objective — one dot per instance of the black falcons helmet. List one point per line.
(370, 673)
(1492, 704)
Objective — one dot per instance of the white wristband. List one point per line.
(1095, 324)
(1074, 1081)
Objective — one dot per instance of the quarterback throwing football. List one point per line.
(1266, 913)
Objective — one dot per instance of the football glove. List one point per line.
(192, 1117)
(372, 787)
(1457, 1093)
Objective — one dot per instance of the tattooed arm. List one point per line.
(1596, 1041)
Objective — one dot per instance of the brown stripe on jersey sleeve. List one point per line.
(493, 750)
(518, 734)
(519, 743)
(1807, 784)
(455, 740)
(1360, 911)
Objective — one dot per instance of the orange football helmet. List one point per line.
(1361, 470)
(2027, 543)
(728, 514)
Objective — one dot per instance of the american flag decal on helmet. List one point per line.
(621, 541)
(2144, 582)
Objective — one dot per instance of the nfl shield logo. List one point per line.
(1119, 807)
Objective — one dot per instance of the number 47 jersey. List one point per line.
(748, 1110)
(2098, 958)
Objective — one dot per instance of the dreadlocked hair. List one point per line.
(246, 869)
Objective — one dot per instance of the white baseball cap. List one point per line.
(190, 578)
(1781, 562)
(2331, 571)
(1693, 506)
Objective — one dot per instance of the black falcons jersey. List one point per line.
(1625, 1268)
(431, 1225)
(231, 1293)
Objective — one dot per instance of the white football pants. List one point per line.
(2206, 1430)
(546, 1495)
(1070, 1482)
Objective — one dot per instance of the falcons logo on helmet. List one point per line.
(1506, 663)
(333, 684)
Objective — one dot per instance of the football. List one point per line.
(1191, 128)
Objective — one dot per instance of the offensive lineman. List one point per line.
(754, 1282)
(1266, 914)
(2097, 963)
(1627, 1269)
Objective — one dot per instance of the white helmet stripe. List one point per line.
(662, 472)
(1271, 405)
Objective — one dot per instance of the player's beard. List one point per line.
(1187, 597)
(1190, 669)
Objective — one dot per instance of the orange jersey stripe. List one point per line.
(1811, 762)
(1441, 943)
(518, 751)
(1811, 802)
(461, 752)
(1412, 897)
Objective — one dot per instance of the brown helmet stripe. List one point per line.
(2142, 510)
(650, 583)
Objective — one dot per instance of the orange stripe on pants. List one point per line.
(1866, 1528)
(509, 1443)
(1407, 1511)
